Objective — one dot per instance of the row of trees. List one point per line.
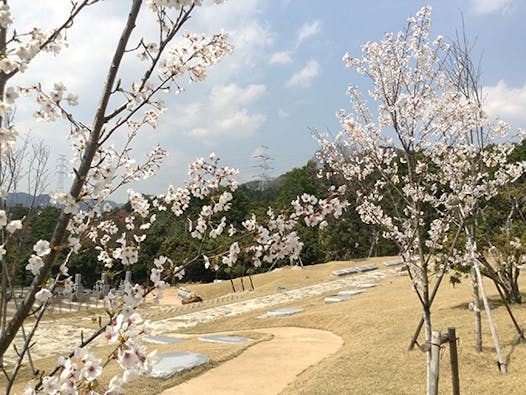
(344, 239)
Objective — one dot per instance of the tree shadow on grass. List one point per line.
(495, 302)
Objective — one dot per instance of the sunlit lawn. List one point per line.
(376, 327)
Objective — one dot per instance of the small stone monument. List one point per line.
(105, 284)
(77, 287)
(128, 277)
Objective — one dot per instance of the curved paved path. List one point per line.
(267, 367)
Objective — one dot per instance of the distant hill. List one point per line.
(261, 190)
(43, 200)
(26, 200)
(258, 185)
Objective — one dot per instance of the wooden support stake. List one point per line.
(519, 329)
(502, 363)
(453, 357)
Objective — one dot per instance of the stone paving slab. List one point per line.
(365, 286)
(354, 270)
(174, 362)
(68, 333)
(367, 268)
(162, 339)
(351, 292)
(225, 339)
(192, 319)
(394, 262)
(344, 272)
(336, 299)
(284, 312)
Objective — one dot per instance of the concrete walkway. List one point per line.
(267, 367)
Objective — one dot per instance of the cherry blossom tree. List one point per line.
(102, 163)
(415, 158)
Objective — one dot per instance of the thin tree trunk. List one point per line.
(429, 361)
(476, 310)
(81, 174)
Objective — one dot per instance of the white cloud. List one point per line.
(250, 36)
(224, 113)
(308, 29)
(507, 103)
(222, 96)
(282, 57)
(304, 76)
(190, 114)
(489, 6)
(240, 122)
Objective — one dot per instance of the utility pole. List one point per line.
(264, 167)
(61, 169)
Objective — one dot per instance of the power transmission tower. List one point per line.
(264, 167)
(61, 169)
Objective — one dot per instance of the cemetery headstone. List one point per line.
(77, 287)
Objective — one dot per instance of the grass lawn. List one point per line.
(376, 328)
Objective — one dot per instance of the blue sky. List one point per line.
(284, 77)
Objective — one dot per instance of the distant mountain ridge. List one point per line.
(44, 200)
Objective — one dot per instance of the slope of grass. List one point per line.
(376, 327)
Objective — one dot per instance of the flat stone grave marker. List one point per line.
(225, 339)
(171, 363)
(337, 299)
(394, 262)
(344, 272)
(363, 286)
(284, 312)
(351, 292)
(162, 339)
(367, 268)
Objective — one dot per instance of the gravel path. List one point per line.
(58, 337)
(233, 309)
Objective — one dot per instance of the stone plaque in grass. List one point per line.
(336, 299)
(224, 339)
(171, 363)
(367, 268)
(351, 292)
(344, 272)
(284, 312)
(363, 286)
(162, 339)
(394, 262)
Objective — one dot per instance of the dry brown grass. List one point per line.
(376, 328)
